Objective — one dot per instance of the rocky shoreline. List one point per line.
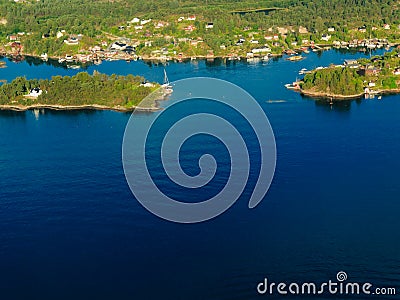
(323, 95)
(328, 96)
(17, 107)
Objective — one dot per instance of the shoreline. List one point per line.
(177, 58)
(145, 57)
(22, 108)
(149, 58)
(328, 96)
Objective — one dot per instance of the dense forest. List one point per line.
(38, 22)
(383, 74)
(81, 89)
(91, 17)
(338, 81)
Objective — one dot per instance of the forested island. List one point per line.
(129, 29)
(377, 75)
(97, 91)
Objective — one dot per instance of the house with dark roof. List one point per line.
(35, 92)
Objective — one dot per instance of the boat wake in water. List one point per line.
(275, 101)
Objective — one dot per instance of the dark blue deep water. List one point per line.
(71, 229)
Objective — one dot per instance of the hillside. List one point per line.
(91, 16)
(45, 26)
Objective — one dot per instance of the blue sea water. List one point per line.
(71, 229)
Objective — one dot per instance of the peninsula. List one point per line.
(82, 91)
(354, 79)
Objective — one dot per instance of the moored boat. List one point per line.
(167, 87)
(295, 58)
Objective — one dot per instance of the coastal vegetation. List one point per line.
(113, 91)
(191, 27)
(376, 75)
(333, 80)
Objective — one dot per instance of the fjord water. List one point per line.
(70, 227)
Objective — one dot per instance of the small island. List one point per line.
(354, 79)
(81, 91)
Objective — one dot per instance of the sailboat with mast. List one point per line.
(166, 85)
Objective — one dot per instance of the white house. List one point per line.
(326, 37)
(191, 18)
(35, 92)
(59, 34)
(209, 25)
(135, 20)
(147, 84)
(138, 27)
(386, 26)
(144, 22)
(261, 50)
(160, 24)
(331, 29)
(72, 41)
(362, 29)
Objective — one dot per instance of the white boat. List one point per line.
(303, 71)
(233, 57)
(44, 56)
(265, 58)
(74, 67)
(292, 86)
(166, 85)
